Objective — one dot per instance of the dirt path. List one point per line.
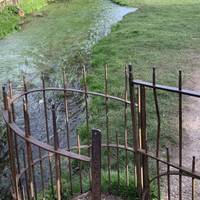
(191, 142)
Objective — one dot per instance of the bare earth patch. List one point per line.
(87, 196)
(191, 141)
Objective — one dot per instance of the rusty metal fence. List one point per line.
(163, 165)
(33, 175)
(39, 164)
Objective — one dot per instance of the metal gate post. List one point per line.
(96, 164)
(136, 144)
(143, 136)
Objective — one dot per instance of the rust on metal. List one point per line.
(125, 124)
(180, 133)
(23, 166)
(107, 125)
(158, 131)
(96, 164)
(28, 150)
(80, 164)
(57, 156)
(47, 131)
(168, 175)
(117, 149)
(67, 128)
(135, 131)
(193, 179)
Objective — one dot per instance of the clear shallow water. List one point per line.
(49, 43)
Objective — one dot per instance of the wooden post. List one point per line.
(96, 164)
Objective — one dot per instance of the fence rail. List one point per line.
(124, 151)
(25, 165)
(138, 90)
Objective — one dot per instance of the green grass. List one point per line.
(116, 190)
(162, 34)
(8, 21)
(29, 6)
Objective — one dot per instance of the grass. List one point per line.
(8, 21)
(162, 34)
(29, 6)
(116, 190)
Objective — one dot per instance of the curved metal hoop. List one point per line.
(16, 130)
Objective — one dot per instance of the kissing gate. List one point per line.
(48, 161)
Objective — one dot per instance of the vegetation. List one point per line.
(9, 21)
(123, 191)
(9, 16)
(30, 6)
(162, 34)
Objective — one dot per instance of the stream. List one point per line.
(59, 36)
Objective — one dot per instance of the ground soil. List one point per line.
(191, 142)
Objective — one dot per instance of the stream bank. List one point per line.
(61, 38)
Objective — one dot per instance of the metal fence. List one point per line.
(163, 164)
(39, 165)
(33, 175)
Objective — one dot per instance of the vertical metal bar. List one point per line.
(168, 175)
(86, 107)
(140, 134)
(68, 128)
(41, 171)
(87, 115)
(47, 133)
(118, 175)
(135, 132)
(80, 164)
(158, 131)
(125, 125)
(25, 89)
(29, 150)
(107, 125)
(96, 164)
(26, 176)
(193, 179)
(29, 132)
(12, 153)
(57, 157)
(7, 106)
(5, 101)
(15, 135)
(142, 94)
(180, 134)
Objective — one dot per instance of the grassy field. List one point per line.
(9, 19)
(162, 34)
